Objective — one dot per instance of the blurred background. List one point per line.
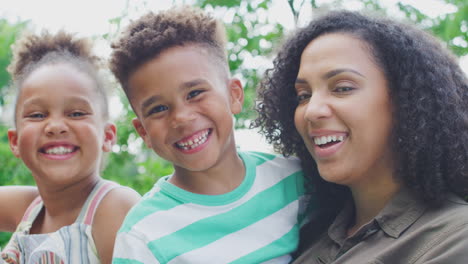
(255, 29)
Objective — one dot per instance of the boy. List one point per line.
(219, 206)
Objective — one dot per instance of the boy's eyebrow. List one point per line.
(149, 102)
(192, 83)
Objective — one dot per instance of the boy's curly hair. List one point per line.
(32, 51)
(428, 90)
(150, 35)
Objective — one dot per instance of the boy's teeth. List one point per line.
(327, 139)
(59, 150)
(193, 143)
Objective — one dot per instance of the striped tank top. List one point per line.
(71, 244)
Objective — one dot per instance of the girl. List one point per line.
(378, 113)
(61, 132)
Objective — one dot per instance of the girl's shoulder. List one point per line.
(14, 201)
(109, 216)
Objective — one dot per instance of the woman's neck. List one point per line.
(370, 200)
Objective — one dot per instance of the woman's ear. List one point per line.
(110, 137)
(236, 92)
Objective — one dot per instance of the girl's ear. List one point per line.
(141, 131)
(13, 139)
(110, 137)
(237, 95)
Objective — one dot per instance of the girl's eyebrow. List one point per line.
(42, 101)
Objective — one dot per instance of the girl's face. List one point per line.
(60, 131)
(344, 114)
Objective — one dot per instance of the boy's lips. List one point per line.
(193, 141)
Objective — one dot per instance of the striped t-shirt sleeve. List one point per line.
(130, 249)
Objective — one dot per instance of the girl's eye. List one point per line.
(37, 116)
(157, 109)
(77, 114)
(303, 97)
(194, 93)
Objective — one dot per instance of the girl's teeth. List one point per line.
(59, 151)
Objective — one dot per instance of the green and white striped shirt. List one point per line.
(258, 222)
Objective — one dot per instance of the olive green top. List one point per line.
(406, 231)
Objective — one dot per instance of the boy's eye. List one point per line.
(194, 93)
(157, 109)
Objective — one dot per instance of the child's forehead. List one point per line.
(179, 65)
(62, 82)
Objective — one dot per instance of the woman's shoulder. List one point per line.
(450, 216)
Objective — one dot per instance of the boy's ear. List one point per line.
(13, 140)
(110, 137)
(237, 95)
(141, 131)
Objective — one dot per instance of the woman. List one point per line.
(377, 111)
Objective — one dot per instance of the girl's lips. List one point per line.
(59, 156)
(58, 150)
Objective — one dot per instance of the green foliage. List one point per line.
(8, 34)
(451, 28)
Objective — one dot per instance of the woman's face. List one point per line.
(344, 114)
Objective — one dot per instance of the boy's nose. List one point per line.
(56, 126)
(181, 116)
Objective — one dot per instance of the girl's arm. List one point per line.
(14, 200)
(108, 219)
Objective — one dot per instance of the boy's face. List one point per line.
(60, 132)
(184, 103)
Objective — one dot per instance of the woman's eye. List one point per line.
(157, 109)
(303, 97)
(194, 93)
(343, 89)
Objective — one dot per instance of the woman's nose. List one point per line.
(317, 108)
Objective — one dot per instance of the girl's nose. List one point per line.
(56, 126)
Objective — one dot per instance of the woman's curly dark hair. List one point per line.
(428, 90)
(151, 34)
(33, 51)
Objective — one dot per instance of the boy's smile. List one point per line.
(184, 102)
(194, 142)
